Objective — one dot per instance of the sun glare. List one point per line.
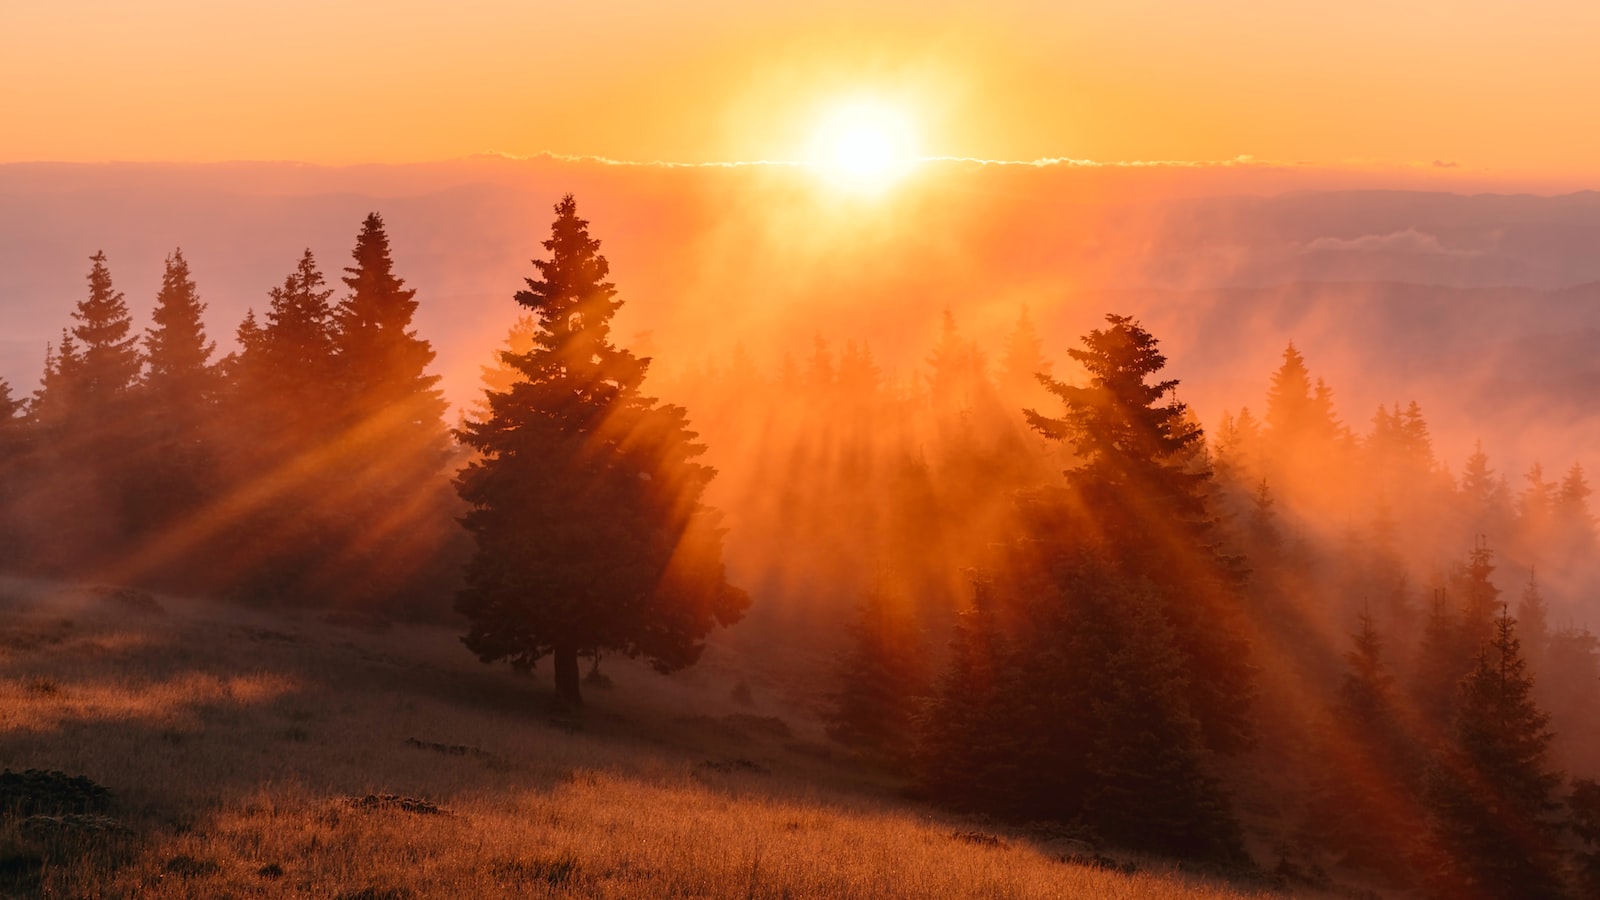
(863, 146)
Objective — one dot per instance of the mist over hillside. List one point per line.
(1480, 306)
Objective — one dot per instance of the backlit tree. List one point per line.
(585, 501)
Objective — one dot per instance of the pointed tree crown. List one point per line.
(299, 333)
(1124, 426)
(382, 356)
(574, 304)
(110, 354)
(178, 350)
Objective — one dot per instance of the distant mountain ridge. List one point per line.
(1389, 292)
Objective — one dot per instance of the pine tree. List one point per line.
(1494, 793)
(858, 378)
(1535, 512)
(1236, 449)
(1134, 439)
(285, 414)
(1357, 810)
(1023, 363)
(957, 381)
(1485, 496)
(110, 355)
(13, 447)
(382, 361)
(296, 346)
(1265, 540)
(1289, 397)
(178, 351)
(965, 745)
(820, 376)
(89, 375)
(1534, 615)
(1439, 663)
(89, 419)
(1479, 597)
(501, 374)
(1584, 803)
(176, 459)
(1574, 525)
(1305, 447)
(10, 408)
(585, 504)
(882, 678)
(59, 387)
(1143, 480)
(1150, 785)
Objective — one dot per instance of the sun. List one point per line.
(863, 146)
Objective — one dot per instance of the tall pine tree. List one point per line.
(1142, 484)
(1494, 791)
(382, 361)
(86, 409)
(585, 503)
(176, 459)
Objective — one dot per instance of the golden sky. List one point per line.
(1498, 87)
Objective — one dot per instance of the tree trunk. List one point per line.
(566, 666)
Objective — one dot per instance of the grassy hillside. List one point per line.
(266, 753)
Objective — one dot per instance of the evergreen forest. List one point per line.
(1301, 643)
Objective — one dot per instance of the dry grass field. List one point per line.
(269, 753)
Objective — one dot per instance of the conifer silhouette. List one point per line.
(585, 503)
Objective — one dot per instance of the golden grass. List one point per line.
(235, 741)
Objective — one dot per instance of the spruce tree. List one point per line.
(1479, 597)
(585, 503)
(1023, 362)
(10, 408)
(284, 414)
(882, 677)
(1535, 508)
(382, 361)
(1149, 783)
(1574, 525)
(1143, 483)
(1584, 804)
(59, 388)
(110, 354)
(13, 447)
(90, 422)
(1358, 809)
(1439, 664)
(498, 377)
(177, 458)
(1289, 396)
(1494, 791)
(1486, 498)
(1534, 616)
(296, 372)
(964, 738)
(179, 353)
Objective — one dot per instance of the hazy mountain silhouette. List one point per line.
(1387, 291)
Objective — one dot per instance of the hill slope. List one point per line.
(251, 753)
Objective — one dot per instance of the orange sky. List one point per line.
(1497, 87)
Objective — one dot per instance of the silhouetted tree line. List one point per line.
(309, 465)
(1051, 597)
(1274, 607)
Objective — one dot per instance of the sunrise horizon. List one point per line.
(904, 450)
